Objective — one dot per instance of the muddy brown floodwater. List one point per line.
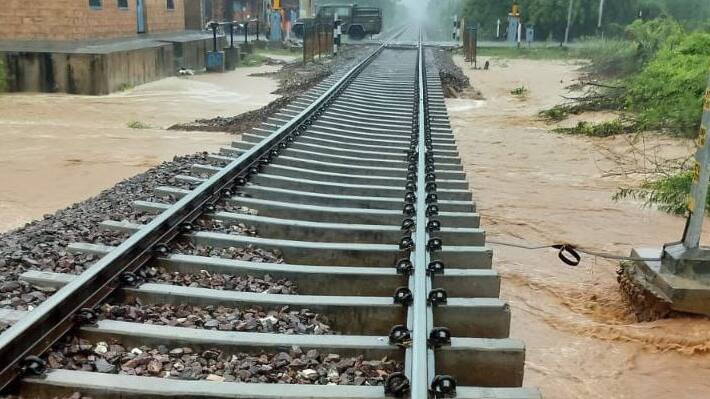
(535, 186)
(57, 149)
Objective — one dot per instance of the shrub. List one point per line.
(668, 93)
(668, 193)
(603, 129)
(3, 77)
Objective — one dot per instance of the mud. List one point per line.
(533, 186)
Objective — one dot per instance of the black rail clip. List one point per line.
(443, 386)
(433, 225)
(406, 244)
(397, 385)
(161, 249)
(403, 296)
(33, 365)
(439, 336)
(437, 296)
(404, 266)
(409, 210)
(400, 335)
(130, 279)
(435, 267)
(410, 197)
(86, 316)
(434, 244)
(407, 225)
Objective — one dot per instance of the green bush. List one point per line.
(610, 58)
(3, 77)
(668, 93)
(669, 193)
(603, 129)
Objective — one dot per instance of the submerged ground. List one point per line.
(57, 149)
(540, 187)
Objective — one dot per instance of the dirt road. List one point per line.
(58, 149)
(540, 187)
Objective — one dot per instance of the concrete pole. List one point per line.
(569, 21)
(701, 178)
(520, 32)
(601, 13)
(498, 29)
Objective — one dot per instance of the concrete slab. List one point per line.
(684, 292)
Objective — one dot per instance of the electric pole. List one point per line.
(601, 13)
(569, 21)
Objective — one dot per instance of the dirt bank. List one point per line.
(540, 187)
(58, 149)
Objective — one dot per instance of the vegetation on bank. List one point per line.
(3, 77)
(550, 16)
(656, 80)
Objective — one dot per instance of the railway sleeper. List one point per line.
(320, 155)
(332, 253)
(96, 385)
(358, 315)
(319, 280)
(251, 190)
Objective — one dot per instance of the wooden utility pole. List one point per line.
(569, 21)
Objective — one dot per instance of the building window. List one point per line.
(95, 3)
(171, 4)
(123, 4)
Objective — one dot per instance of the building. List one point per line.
(95, 46)
(88, 19)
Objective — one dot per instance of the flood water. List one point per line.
(56, 149)
(534, 186)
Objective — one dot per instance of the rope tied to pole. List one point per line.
(570, 254)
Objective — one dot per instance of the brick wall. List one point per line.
(160, 19)
(74, 19)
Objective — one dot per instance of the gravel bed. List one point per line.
(292, 367)
(75, 395)
(223, 318)
(246, 253)
(41, 245)
(453, 80)
(294, 80)
(218, 281)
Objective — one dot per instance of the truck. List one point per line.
(356, 22)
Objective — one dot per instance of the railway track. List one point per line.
(355, 196)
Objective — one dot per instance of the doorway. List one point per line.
(140, 16)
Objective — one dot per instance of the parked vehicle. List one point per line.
(357, 22)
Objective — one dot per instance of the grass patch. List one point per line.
(280, 51)
(534, 53)
(259, 56)
(125, 87)
(559, 112)
(521, 91)
(668, 193)
(253, 60)
(138, 125)
(603, 129)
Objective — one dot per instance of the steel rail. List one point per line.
(41, 328)
(417, 359)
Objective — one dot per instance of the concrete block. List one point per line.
(215, 61)
(231, 58)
